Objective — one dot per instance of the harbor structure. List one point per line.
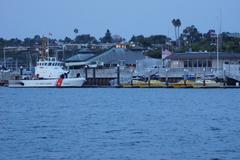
(196, 63)
(116, 65)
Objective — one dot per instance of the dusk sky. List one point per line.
(26, 18)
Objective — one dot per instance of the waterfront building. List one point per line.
(199, 60)
(198, 64)
(104, 64)
(110, 58)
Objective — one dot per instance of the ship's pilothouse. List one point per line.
(49, 68)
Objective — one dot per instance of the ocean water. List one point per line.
(119, 124)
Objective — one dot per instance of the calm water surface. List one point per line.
(119, 124)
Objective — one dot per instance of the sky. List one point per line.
(26, 18)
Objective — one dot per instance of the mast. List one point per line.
(217, 54)
(219, 33)
(44, 52)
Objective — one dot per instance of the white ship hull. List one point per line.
(47, 83)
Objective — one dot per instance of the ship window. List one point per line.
(45, 64)
(49, 64)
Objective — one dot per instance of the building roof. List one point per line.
(202, 55)
(80, 57)
(115, 55)
(83, 55)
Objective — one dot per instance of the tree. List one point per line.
(14, 42)
(141, 40)
(85, 38)
(28, 42)
(174, 22)
(37, 39)
(107, 38)
(157, 53)
(191, 35)
(67, 40)
(157, 39)
(75, 31)
(2, 42)
(178, 24)
(149, 41)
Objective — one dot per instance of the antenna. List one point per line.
(220, 23)
(219, 33)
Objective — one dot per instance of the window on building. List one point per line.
(209, 63)
(185, 64)
(190, 63)
(200, 63)
(195, 64)
(204, 64)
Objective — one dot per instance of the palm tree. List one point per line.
(178, 25)
(76, 32)
(174, 22)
